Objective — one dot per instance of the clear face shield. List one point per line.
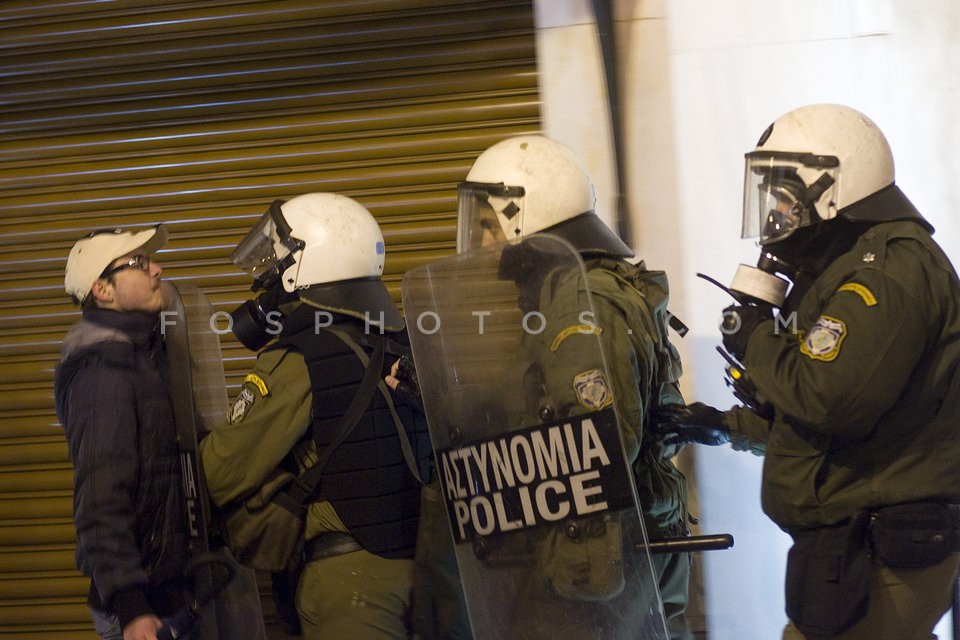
(267, 250)
(782, 191)
(484, 211)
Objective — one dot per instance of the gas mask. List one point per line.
(784, 193)
(256, 322)
(265, 253)
(765, 284)
(762, 283)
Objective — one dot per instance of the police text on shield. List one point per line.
(536, 476)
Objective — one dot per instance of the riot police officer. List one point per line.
(852, 383)
(532, 184)
(318, 259)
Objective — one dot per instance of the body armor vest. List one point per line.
(366, 478)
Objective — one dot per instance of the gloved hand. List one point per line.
(403, 380)
(739, 321)
(698, 423)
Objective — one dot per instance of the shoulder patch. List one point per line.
(582, 328)
(258, 382)
(592, 389)
(823, 340)
(865, 294)
(241, 406)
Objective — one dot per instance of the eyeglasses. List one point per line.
(141, 262)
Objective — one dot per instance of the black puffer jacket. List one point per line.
(112, 398)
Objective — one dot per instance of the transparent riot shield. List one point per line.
(226, 604)
(539, 495)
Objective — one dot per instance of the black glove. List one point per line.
(739, 321)
(697, 422)
(408, 386)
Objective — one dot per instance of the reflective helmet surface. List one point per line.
(341, 240)
(809, 165)
(524, 184)
(315, 238)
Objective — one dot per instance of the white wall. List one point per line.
(700, 81)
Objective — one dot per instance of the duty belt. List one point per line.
(866, 516)
(330, 544)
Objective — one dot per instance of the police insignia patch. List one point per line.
(241, 406)
(824, 339)
(592, 389)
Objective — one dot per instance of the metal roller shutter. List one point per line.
(197, 115)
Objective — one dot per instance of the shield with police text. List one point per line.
(524, 422)
(226, 600)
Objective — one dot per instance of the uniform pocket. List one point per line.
(828, 578)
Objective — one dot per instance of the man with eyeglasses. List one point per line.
(114, 403)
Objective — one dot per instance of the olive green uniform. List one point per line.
(356, 595)
(630, 317)
(866, 388)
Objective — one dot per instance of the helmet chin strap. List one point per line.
(815, 191)
(819, 187)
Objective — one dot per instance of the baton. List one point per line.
(689, 544)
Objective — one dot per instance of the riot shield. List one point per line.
(539, 494)
(226, 604)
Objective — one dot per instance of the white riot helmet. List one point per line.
(328, 250)
(312, 239)
(528, 184)
(809, 165)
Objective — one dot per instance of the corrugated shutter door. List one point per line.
(197, 115)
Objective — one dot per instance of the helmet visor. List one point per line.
(267, 249)
(782, 192)
(485, 211)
